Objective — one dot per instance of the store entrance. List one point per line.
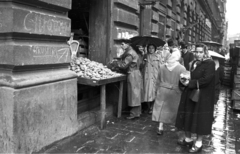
(87, 96)
(79, 16)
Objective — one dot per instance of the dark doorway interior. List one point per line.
(79, 16)
(88, 97)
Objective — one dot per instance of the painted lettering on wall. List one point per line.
(45, 24)
(56, 54)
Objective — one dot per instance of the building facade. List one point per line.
(41, 101)
(188, 20)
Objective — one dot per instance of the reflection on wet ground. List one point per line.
(223, 135)
(139, 136)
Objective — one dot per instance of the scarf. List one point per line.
(195, 64)
(216, 64)
(173, 60)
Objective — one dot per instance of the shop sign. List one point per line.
(126, 35)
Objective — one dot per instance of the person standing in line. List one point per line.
(168, 92)
(141, 52)
(150, 70)
(186, 55)
(193, 47)
(173, 46)
(163, 52)
(129, 63)
(196, 116)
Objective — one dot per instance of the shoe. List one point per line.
(195, 149)
(159, 132)
(131, 118)
(184, 143)
(150, 112)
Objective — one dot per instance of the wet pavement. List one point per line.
(139, 136)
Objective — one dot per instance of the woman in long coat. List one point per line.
(150, 71)
(168, 92)
(197, 117)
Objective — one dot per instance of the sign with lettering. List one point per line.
(125, 34)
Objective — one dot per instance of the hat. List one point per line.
(170, 42)
(183, 45)
(125, 40)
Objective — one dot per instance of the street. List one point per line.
(139, 136)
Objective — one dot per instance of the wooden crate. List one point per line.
(236, 85)
(236, 104)
(88, 98)
(236, 94)
(238, 71)
(236, 79)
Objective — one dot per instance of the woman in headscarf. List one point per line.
(168, 92)
(151, 66)
(163, 52)
(196, 116)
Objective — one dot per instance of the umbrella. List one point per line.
(215, 54)
(211, 43)
(145, 40)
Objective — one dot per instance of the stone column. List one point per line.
(38, 92)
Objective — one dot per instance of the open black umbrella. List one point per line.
(145, 40)
(215, 54)
(211, 43)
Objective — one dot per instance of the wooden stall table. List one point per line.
(103, 83)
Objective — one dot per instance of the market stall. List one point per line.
(92, 73)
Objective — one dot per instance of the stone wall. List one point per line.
(38, 92)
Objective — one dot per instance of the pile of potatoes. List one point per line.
(86, 68)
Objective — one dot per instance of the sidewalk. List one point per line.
(139, 136)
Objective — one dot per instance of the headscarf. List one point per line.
(165, 53)
(173, 60)
(216, 63)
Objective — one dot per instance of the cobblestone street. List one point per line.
(139, 136)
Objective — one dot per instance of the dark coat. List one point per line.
(187, 58)
(218, 80)
(197, 117)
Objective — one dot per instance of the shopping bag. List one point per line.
(195, 94)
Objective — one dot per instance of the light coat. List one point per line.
(150, 72)
(129, 63)
(168, 94)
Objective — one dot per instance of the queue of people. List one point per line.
(155, 78)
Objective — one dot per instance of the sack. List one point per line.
(195, 94)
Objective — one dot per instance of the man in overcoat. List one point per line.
(186, 55)
(128, 63)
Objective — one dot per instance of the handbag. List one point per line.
(195, 94)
